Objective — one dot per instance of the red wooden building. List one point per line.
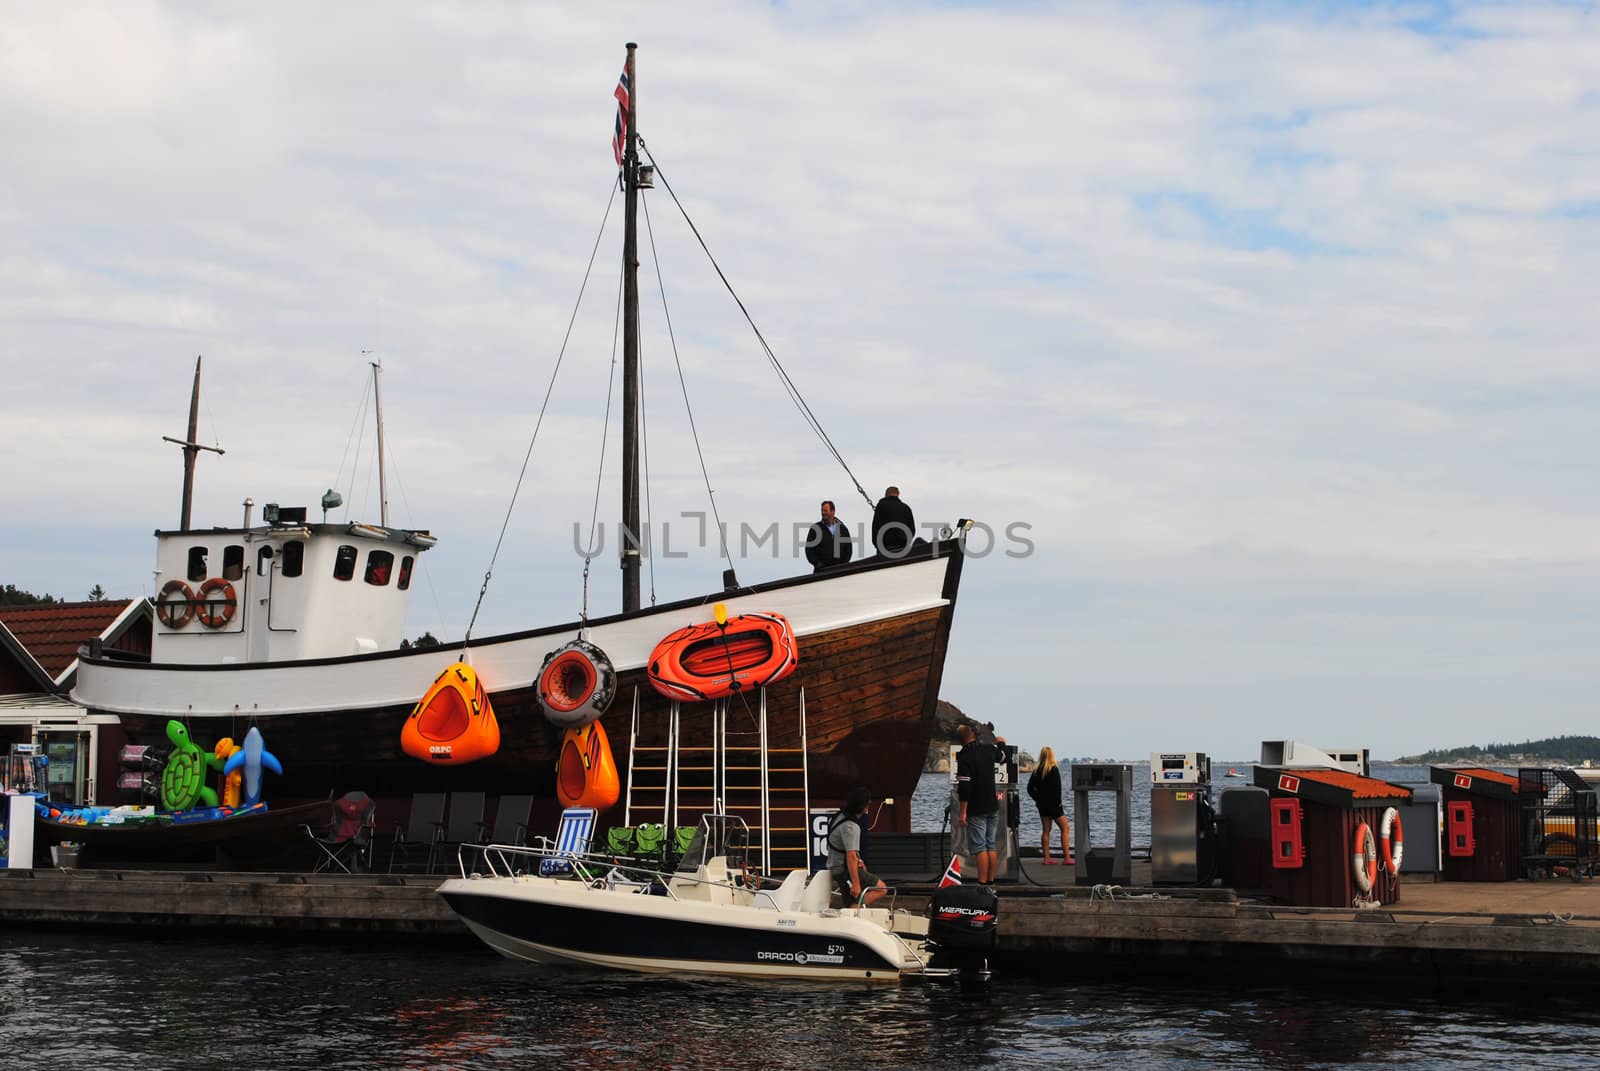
(1316, 819)
(1481, 824)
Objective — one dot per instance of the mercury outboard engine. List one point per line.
(963, 923)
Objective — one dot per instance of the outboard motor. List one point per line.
(963, 923)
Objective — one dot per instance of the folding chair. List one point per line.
(463, 825)
(620, 842)
(422, 830)
(650, 843)
(511, 816)
(347, 844)
(573, 835)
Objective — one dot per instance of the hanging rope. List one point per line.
(777, 366)
(358, 431)
(722, 533)
(544, 406)
(605, 435)
(644, 459)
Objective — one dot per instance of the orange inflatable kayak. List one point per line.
(454, 723)
(712, 659)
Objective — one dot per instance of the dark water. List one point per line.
(75, 1002)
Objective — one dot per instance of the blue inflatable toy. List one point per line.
(252, 758)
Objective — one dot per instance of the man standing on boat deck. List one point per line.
(856, 884)
(828, 542)
(892, 525)
(980, 804)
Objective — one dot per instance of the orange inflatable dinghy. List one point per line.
(712, 659)
(586, 771)
(454, 723)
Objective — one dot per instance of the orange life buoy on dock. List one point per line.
(175, 604)
(1364, 859)
(215, 602)
(576, 684)
(1391, 842)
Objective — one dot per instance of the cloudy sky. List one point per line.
(1276, 323)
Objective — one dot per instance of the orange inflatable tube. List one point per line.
(586, 771)
(454, 723)
(718, 658)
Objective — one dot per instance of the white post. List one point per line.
(20, 833)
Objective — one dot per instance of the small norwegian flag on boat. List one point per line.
(619, 132)
(952, 873)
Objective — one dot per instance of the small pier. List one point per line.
(1520, 934)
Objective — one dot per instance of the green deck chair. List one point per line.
(620, 842)
(650, 841)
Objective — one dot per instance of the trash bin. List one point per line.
(65, 856)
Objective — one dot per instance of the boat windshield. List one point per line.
(717, 834)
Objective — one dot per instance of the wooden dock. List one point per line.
(1513, 934)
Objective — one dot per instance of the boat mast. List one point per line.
(191, 448)
(377, 404)
(628, 538)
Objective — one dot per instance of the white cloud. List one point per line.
(1220, 300)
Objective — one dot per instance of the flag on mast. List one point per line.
(952, 873)
(619, 135)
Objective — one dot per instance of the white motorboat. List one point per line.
(707, 916)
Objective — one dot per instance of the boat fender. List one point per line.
(175, 604)
(1364, 859)
(576, 684)
(215, 602)
(1391, 841)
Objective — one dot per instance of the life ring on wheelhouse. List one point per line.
(576, 684)
(1364, 859)
(215, 603)
(718, 658)
(175, 604)
(1391, 841)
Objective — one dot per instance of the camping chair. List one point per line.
(650, 843)
(573, 835)
(511, 816)
(423, 830)
(620, 844)
(682, 839)
(347, 844)
(464, 825)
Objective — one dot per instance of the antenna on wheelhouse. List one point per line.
(377, 405)
(191, 448)
(628, 538)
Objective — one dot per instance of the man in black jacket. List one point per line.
(892, 525)
(828, 542)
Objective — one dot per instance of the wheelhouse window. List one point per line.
(344, 563)
(197, 564)
(263, 561)
(294, 557)
(233, 562)
(379, 565)
(405, 572)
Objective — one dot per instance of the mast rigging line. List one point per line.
(783, 376)
(605, 435)
(722, 533)
(539, 423)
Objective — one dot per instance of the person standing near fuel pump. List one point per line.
(980, 804)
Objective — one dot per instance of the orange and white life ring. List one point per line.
(215, 602)
(1364, 859)
(175, 604)
(1391, 841)
(576, 684)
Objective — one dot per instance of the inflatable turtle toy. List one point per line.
(183, 779)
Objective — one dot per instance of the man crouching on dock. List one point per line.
(856, 884)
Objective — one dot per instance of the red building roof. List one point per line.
(52, 632)
(1292, 781)
(1481, 774)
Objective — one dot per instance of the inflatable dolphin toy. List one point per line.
(252, 758)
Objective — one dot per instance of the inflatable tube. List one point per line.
(576, 684)
(712, 659)
(454, 722)
(215, 602)
(1364, 859)
(586, 771)
(1391, 841)
(175, 604)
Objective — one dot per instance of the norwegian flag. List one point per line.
(952, 873)
(619, 135)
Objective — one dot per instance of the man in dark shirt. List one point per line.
(980, 804)
(892, 525)
(828, 542)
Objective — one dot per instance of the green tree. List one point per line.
(11, 595)
(97, 594)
